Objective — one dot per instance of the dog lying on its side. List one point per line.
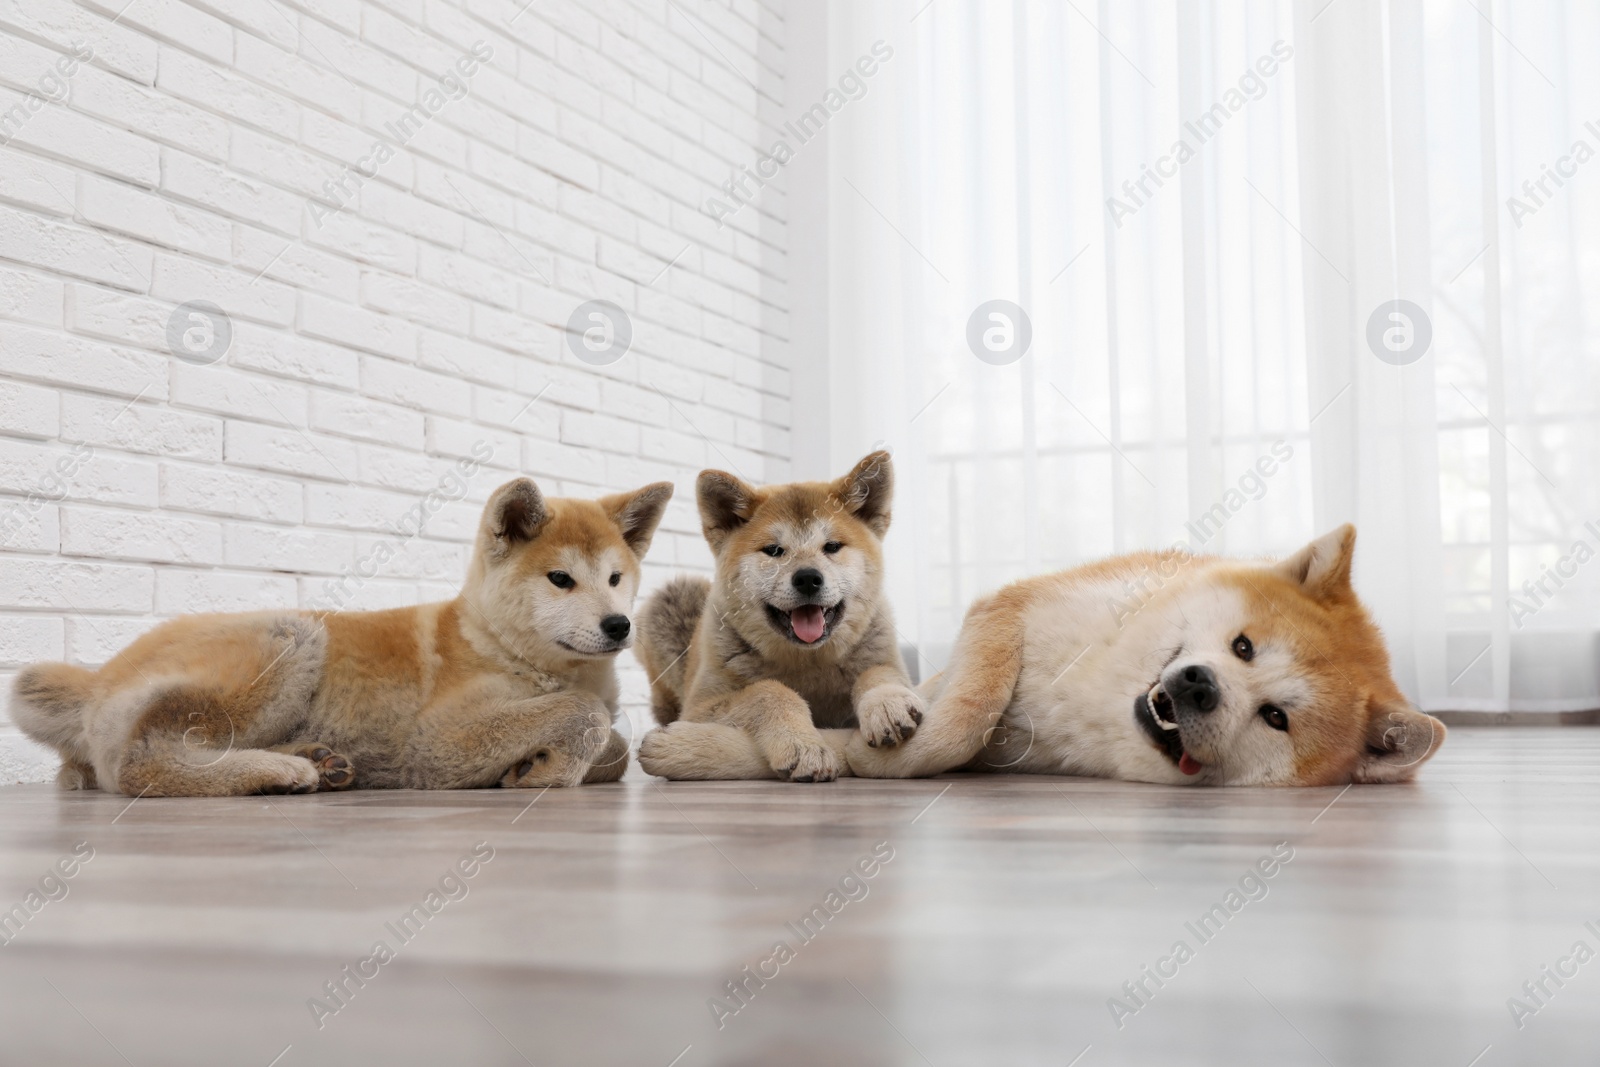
(511, 683)
(794, 633)
(1154, 667)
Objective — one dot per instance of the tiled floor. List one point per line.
(610, 918)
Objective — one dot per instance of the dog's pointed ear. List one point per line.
(868, 491)
(513, 515)
(637, 514)
(726, 503)
(1400, 739)
(1322, 568)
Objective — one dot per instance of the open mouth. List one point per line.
(1159, 719)
(808, 624)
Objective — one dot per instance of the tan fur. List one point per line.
(741, 668)
(511, 683)
(667, 625)
(1046, 672)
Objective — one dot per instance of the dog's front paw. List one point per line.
(889, 714)
(570, 746)
(805, 761)
(665, 754)
(277, 774)
(335, 772)
(543, 767)
(75, 775)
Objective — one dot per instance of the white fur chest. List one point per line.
(1073, 705)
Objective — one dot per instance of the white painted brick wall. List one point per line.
(374, 350)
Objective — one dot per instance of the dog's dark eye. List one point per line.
(1274, 716)
(561, 579)
(773, 550)
(1245, 650)
(832, 546)
(616, 577)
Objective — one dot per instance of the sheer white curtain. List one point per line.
(1201, 207)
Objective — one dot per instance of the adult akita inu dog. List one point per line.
(512, 683)
(794, 633)
(1154, 667)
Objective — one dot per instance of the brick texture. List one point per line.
(398, 246)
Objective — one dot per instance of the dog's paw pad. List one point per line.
(889, 715)
(525, 768)
(333, 770)
(543, 767)
(337, 773)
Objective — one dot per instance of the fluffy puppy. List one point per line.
(794, 633)
(511, 683)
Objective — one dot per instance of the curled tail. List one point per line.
(667, 623)
(48, 701)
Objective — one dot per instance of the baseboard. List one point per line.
(1591, 717)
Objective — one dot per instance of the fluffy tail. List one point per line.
(666, 626)
(48, 700)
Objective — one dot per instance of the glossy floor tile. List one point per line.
(999, 925)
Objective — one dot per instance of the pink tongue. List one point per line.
(1188, 764)
(808, 623)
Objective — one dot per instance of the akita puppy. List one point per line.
(794, 633)
(1154, 667)
(511, 683)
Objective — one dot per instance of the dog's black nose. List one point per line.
(616, 627)
(808, 580)
(1197, 687)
